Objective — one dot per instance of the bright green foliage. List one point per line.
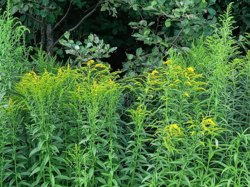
(13, 52)
(182, 124)
(177, 23)
(44, 62)
(240, 11)
(94, 49)
(61, 110)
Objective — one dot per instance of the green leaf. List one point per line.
(161, 2)
(24, 183)
(25, 8)
(46, 159)
(112, 49)
(143, 22)
(37, 12)
(137, 35)
(153, 3)
(165, 44)
(167, 23)
(45, 2)
(146, 32)
(91, 172)
(51, 18)
(91, 37)
(101, 180)
(103, 8)
(114, 31)
(56, 170)
(35, 171)
(66, 35)
(138, 52)
(43, 13)
(187, 181)
(34, 151)
(211, 2)
(151, 23)
(96, 40)
(130, 56)
(155, 51)
(14, 9)
(211, 11)
(45, 184)
(59, 52)
(22, 18)
(52, 179)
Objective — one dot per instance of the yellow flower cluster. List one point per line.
(60, 72)
(170, 133)
(205, 127)
(90, 62)
(154, 72)
(100, 65)
(167, 62)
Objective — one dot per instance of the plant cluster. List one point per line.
(183, 124)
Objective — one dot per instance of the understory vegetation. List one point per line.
(186, 123)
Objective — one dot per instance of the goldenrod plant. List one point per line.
(183, 124)
(13, 51)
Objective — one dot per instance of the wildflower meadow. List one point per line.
(186, 123)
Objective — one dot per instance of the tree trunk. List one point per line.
(50, 39)
(42, 34)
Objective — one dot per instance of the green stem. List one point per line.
(152, 184)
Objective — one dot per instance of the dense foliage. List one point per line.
(185, 123)
(157, 25)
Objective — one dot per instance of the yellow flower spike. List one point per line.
(152, 126)
(204, 126)
(191, 121)
(177, 80)
(186, 75)
(90, 62)
(154, 72)
(167, 62)
(68, 67)
(94, 84)
(111, 81)
(100, 65)
(210, 121)
(11, 100)
(59, 72)
(192, 133)
(178, 67)
(171, 85)
(191, 126)
(186, 94)
(29, 74)
(200, 88)
(188, 83)
(165, 143)
(202, 143)
(190, 69)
